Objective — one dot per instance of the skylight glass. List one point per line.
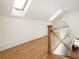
(20, 7)
(20, 4)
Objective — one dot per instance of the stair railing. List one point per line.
(50, 31)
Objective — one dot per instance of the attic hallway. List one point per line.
(23, 29)
(36, 49)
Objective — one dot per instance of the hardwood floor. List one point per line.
(57, 57)
(35, 49)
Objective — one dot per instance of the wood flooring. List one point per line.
(57, 57)
(35, 49)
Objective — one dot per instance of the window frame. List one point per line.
(23, 6)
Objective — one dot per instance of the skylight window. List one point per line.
(59, 12)
(20, 4)
(20, 7)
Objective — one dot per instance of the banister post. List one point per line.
(49, 38)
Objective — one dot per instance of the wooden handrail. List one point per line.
(50, 31)
(61, 27)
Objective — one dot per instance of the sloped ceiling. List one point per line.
(5, 7)
(41, 9)
(69, 5)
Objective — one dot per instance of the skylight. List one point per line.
(59, 12)
(20, 7)
(20, 4)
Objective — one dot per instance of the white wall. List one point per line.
(72, 19)
(14, 31)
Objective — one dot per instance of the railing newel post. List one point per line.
(49, 38)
